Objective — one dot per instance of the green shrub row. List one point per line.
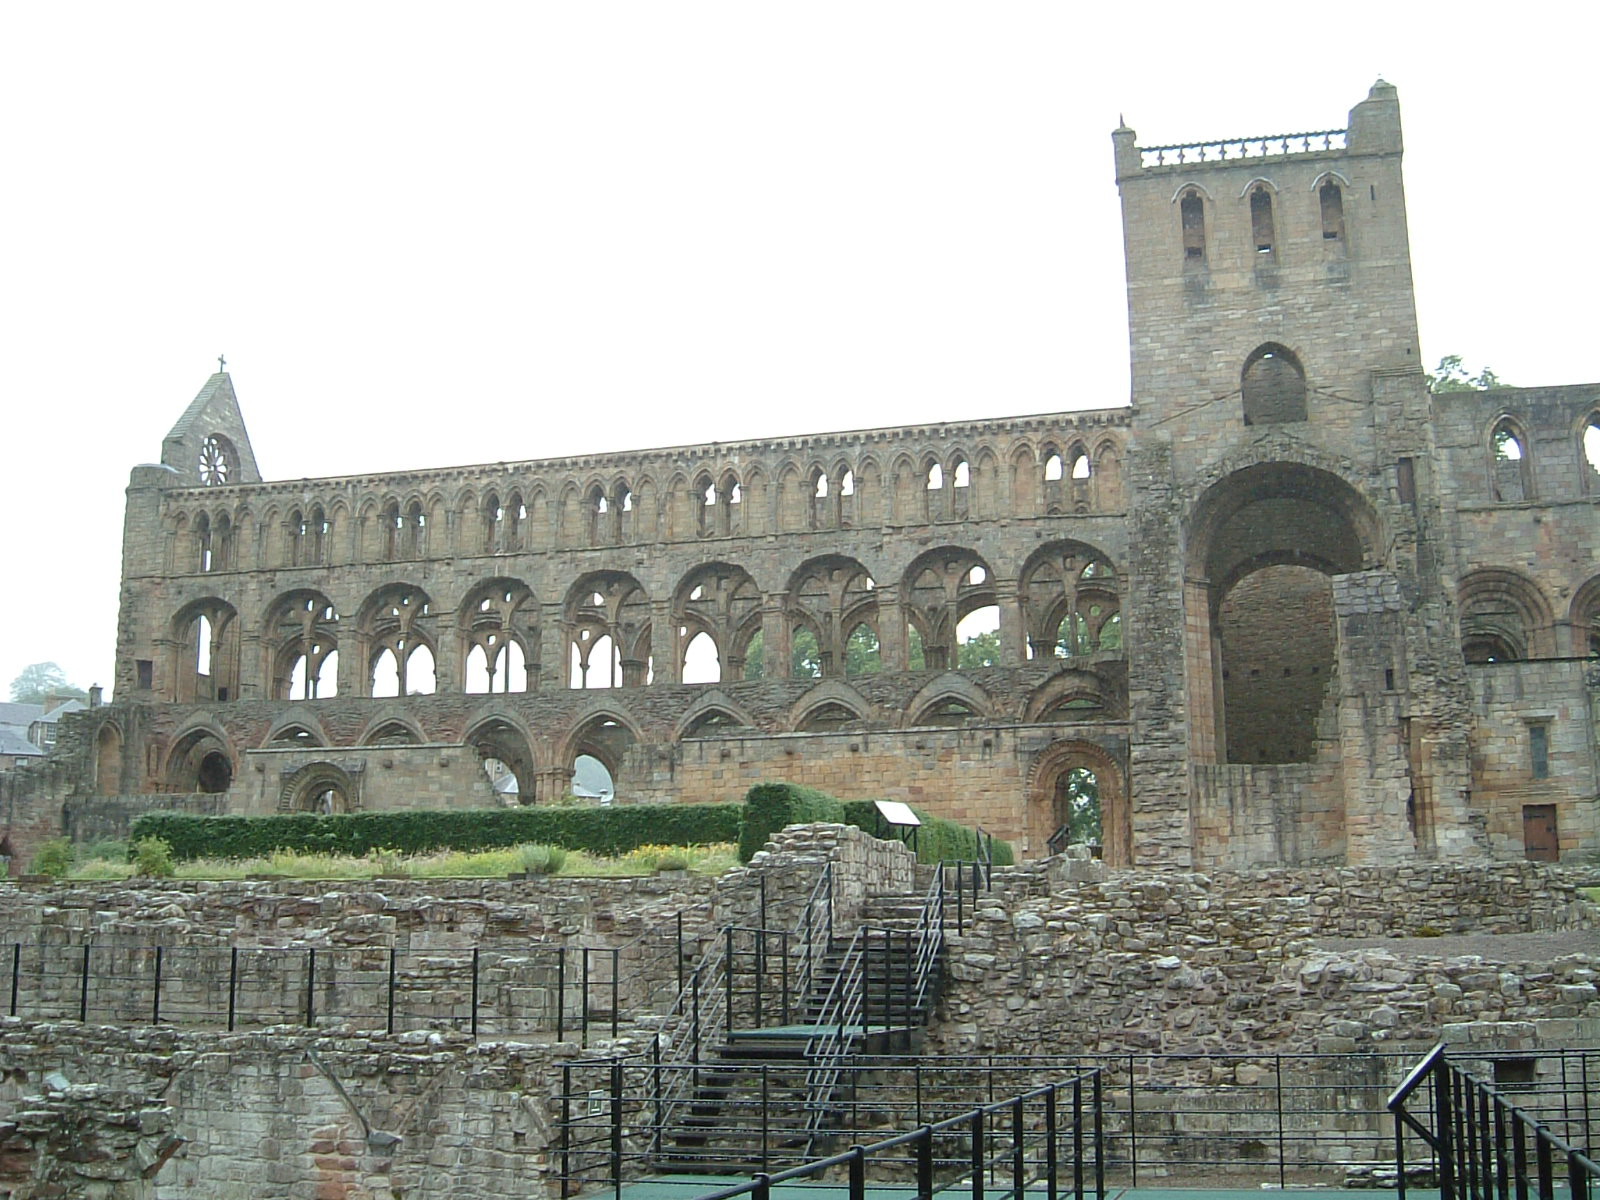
(936, 839)
(770, 806)
(606, 831)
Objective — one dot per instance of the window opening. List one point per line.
(1539, 750)
(1591, 443)
(701, 663)
(1193, 217)
(1052, 468)
(216, 461)
(203, 652)
(962, 474)
(805, 658)
(847, 485)
(935, 478)
(1261, 225)
(1507, 446)
(861, 652)
(978, 638)
(1272, 387)
(1080, 464)
(820, 491)
(1332, 202)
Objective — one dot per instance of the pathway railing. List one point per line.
(1484, 1145)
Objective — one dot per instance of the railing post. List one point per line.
(1444, 1118)
(566, 1132)
(1277, 1063)
(925, 1163)
(1519, 1158)
(583, 1010)
(16, 974)
(83, 990)
(561, 993)
(1133, 1131)
(1099, 1134)
(680, 952)
(155, 992)
(616, 984)
(765, 1118)
(389, 1024)
(472, 1015)
(233, 985)
(655, 1094)
(311, 986)
(783, 948)
(976, 1154)
(1542, 1154)
(858, 1173)
(616, 1128)
(727, 972)
(1019, 1166)
(695, 1023)
(761, 1188)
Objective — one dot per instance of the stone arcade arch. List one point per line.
(1263, 543)
(1047, 777)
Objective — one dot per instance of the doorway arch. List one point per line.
(1047, 792)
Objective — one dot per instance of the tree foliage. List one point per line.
(980, 650)
(37, 683)
(1451, 376)
(1081, 793)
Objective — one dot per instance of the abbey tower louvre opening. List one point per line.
(1289, 607)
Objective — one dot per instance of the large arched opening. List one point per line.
(1264, 544)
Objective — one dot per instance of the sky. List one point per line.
(433, 235)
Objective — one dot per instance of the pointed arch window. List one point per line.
(1510, 477)
(1192, 214)
(1330, 198)
(1263, 233)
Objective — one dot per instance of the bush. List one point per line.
(152, 856)
(771, 806)
(53, 858)
(768, 807)
(937, 839)
(605, 831)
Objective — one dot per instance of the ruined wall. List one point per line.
(1145, 962)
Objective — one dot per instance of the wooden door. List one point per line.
(1539, 837)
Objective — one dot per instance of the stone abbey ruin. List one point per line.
(1280, 608)
(1289, 607)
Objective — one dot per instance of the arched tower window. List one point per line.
(1590, 448)
(1273, 387)
(1331, 200)
(1192, 213)
(1263, 236)
(1510, 478)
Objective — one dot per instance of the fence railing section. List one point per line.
(1283, 1119)
(1048, 1139)
(1483, 1144)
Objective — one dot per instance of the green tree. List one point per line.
(805, 660)
(861, 655)
(37, 683)
(979, 650)
(1451, 376)
(1080, 793)
(755, 656)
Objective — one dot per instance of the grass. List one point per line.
(107, 861)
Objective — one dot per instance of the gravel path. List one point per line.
(1499, 947)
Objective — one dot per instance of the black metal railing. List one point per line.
(1484, 1146)
(1255, 1118)
(1048, 1138)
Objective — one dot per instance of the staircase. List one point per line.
(766, 1097)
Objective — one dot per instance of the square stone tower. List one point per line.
(1292, 683)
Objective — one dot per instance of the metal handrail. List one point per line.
(700, 1015)
(845, 1008)
(1485, 1145)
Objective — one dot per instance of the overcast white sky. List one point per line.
(450, 234)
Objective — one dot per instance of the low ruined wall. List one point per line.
(1147, 962)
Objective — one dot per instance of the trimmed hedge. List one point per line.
(937, 839)
(771, 806)
(768, 807)
(607, 831)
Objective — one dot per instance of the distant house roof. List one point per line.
(15, 744)
(20, 716)
(62, 709)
